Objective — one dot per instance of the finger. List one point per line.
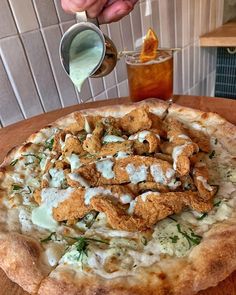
(116, 11)
(95, 9)
(77, 5)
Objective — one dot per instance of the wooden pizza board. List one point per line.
(17, 133)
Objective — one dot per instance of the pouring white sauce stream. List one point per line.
(85, 53)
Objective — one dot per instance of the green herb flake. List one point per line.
(49, 238)
(29, 163)
(192, 238)
(16, 187)
(82, 245)
(202, 216)
(81, 137)
(212, 154)
(216, 141)
(174, 239)
(29, 190)
(49, 144)
(217, 204)
(144, 240)
(13, 163)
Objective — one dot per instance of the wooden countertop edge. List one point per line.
(224, 36)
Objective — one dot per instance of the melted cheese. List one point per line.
(164, 231)
(105, 168)
(136, 174)
(50, 198)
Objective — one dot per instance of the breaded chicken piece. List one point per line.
(200, 177)
(78, 125)
(112, 126)
(148, 209)
(112, 148)
(130, 169)
(153, 140)
(157, 125)
(141, 187)
(163, 157)
(180, 146)
(201, 139)
(72, 145)
(74, 207)
(92, 144)
(135, 121)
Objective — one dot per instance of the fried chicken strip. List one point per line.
(132, 169)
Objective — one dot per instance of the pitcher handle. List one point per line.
(82, 17)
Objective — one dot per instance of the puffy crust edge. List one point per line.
(21, 260)
(214, 124)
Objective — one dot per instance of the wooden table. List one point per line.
(17, 133)
(224, 36)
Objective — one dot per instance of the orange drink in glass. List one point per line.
(153, 78)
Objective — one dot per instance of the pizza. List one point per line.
(127, 199)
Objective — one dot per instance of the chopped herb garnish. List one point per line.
(216, 140)
(82, 245)
(202, 216)
(49, 238)
(49, 144)
(29, 189)
(229, 174)
(172, 218)
(16, 187)
(144, 240)
(212, 154)
(29, 163)
(217, 204)
(81, 137)
(192, 238)
(13, 163)
(174, 239)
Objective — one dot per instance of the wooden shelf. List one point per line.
(224, 36)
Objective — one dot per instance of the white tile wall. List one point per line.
(32, 80)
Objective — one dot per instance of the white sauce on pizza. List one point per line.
(141, 136)
(105, 168)
(78, 178)
(57, 177)
(112, 138)
(50, 198)
(93, 192)
(158, 174)
(74, 161)
(136, 174)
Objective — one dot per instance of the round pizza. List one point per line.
(129, 199)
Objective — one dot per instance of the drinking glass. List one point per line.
(150, 79)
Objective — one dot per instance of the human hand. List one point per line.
(106, 11)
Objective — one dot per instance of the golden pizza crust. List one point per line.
(21, 259)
